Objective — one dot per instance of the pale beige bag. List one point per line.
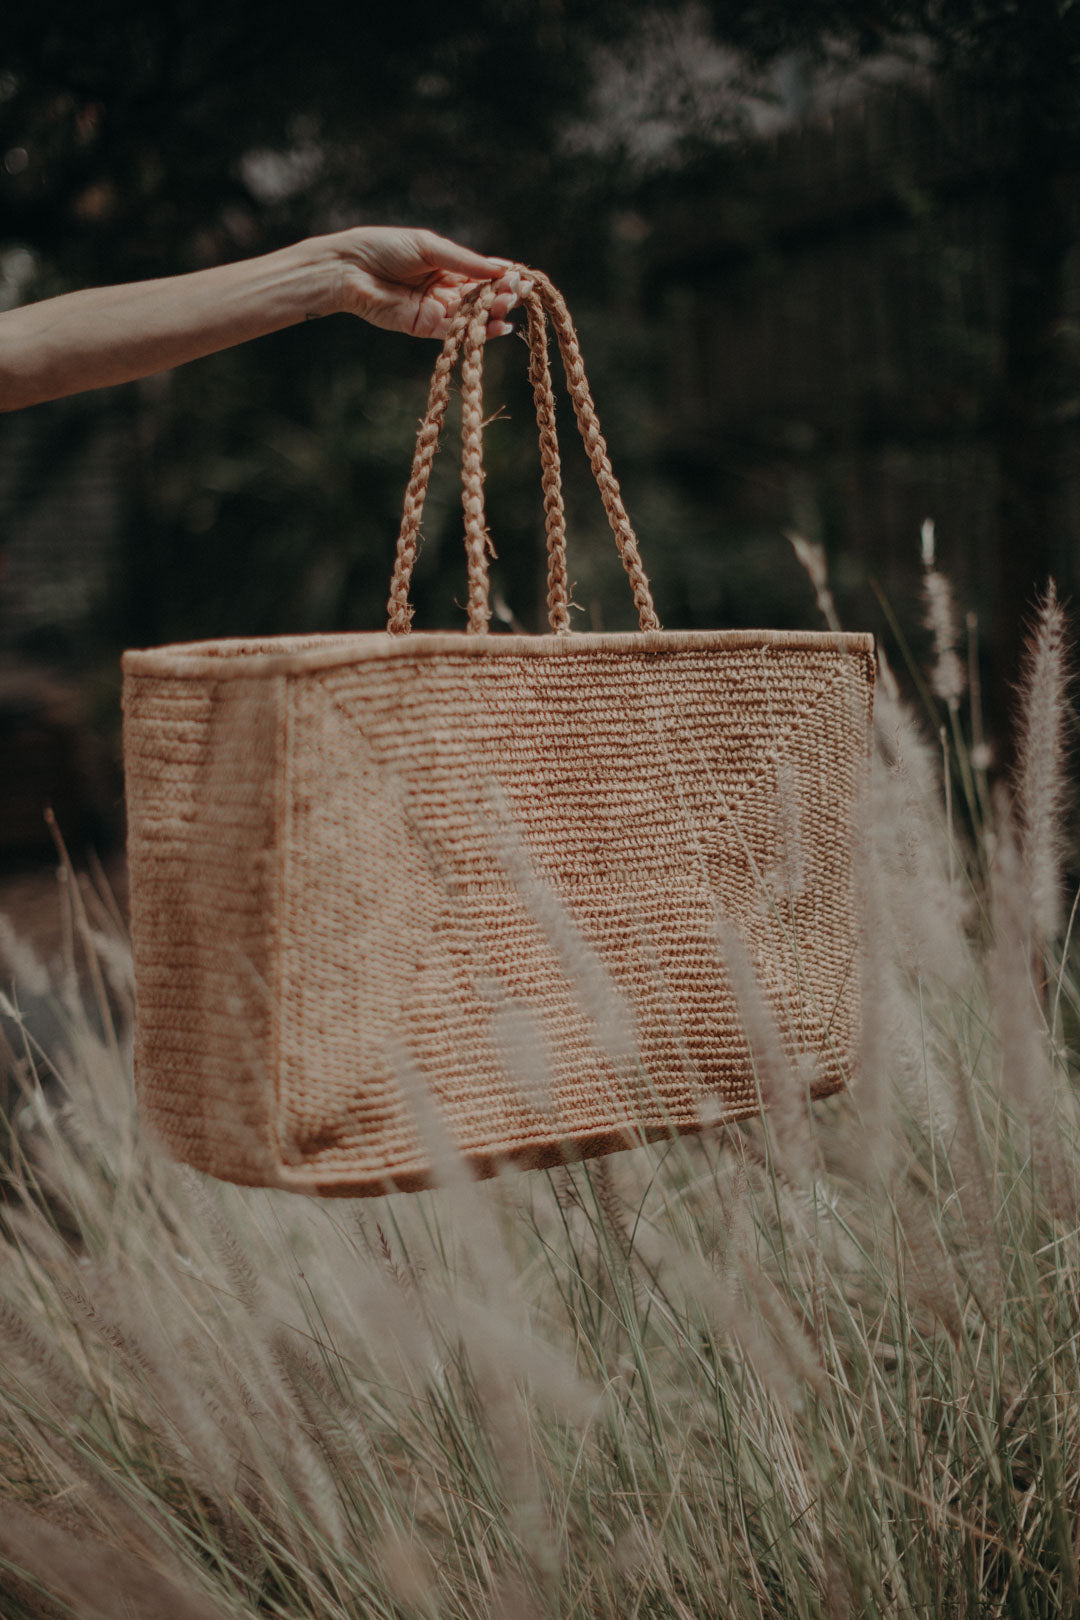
(392, 891)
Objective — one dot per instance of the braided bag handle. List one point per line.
(466, 339)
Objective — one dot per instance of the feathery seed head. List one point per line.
(811, 557)
(1042, 789)
(947, 678)
(783, 1088)
(927, 539)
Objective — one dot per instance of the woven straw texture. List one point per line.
(395, 894)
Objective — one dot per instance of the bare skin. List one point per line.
(404, 280)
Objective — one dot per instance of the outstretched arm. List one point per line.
(405, 280)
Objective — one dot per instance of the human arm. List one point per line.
(405, 280)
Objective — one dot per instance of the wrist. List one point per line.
(314, 269)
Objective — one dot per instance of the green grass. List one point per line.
(828, 1368)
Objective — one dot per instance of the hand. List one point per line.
(413, 281)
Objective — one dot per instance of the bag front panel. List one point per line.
(507, 882)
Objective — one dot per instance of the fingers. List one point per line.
(447, 297)
(511, 288)
(443, 254)
(437, 326)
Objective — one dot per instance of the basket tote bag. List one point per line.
(400, 894)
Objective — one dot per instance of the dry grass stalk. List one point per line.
(93, 1577)
(1042, 787)
(947, 679)
(872, 1147)
(1028, 1078)
(783, 1087)
(930, 913)
(611, 1017)
(811, 557)
(21, 961)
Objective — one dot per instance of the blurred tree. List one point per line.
(1024, 60)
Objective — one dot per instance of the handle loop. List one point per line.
(558, 596)
(466, 339)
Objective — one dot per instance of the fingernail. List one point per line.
(499, 329)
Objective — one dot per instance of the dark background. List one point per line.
(823, 260)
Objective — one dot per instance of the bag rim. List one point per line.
(250, 657)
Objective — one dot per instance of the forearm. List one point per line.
(108, 335)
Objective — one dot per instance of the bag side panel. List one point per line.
(202, 761)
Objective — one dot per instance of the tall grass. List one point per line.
(827, 1366)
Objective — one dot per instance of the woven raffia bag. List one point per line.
(395, 889)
